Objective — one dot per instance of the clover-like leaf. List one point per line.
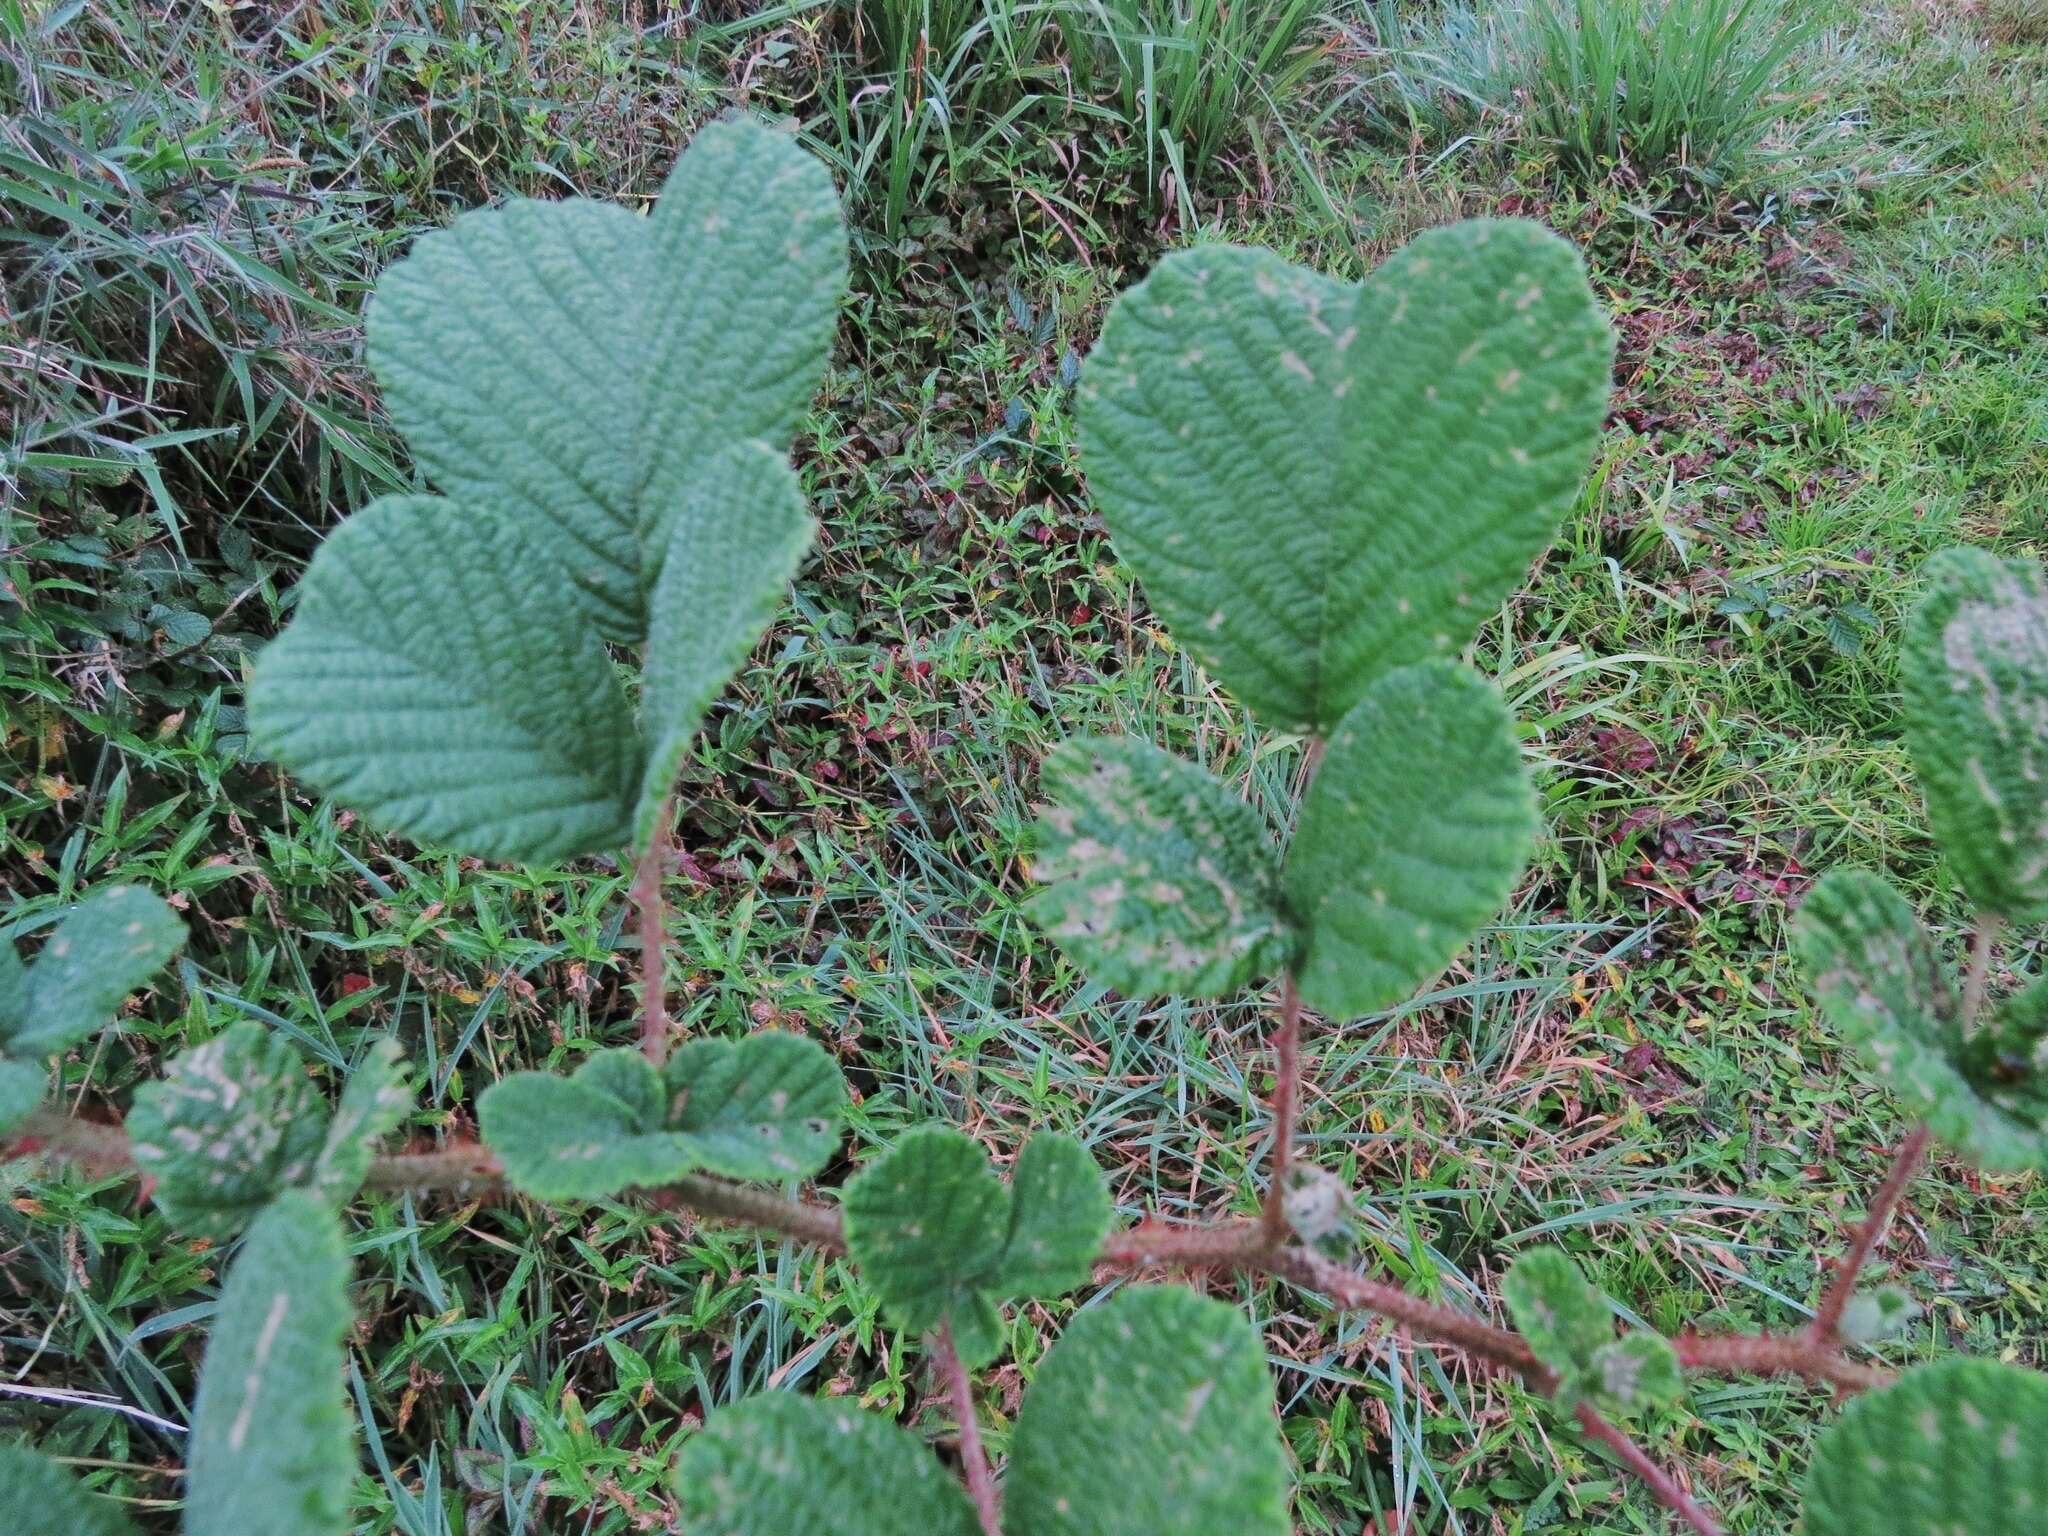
(435, 678)
(1974, 672)
(378, 1097)
(1156, 878)
(40, 1498)
(1878, 979)
(270, 1447)
(1419, 823)
(936, 1233)
(778, 1464)
(234, 1122)
(1317, 482)
(1556, 1309)
(1959, 1447)
(108, 945)
(1154, 1413)
(764, 1107)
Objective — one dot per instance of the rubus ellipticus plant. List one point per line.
(1325, 489)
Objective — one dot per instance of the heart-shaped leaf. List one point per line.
(270, 1440)
(234, 1123)
(39, 1498)
(1975, 676)
(108, 945)
(1154, 1413)
(435, 678)
(1156, 878)
(764, 1107)
(1878, 980)
(1959, 1447)
(779, 1465)
(935, 1232)
(1318, 483)
(1418, 825)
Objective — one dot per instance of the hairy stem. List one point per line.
(1659, 1481)
(981, 1477)
(1286, 1096)
(1776, 1354)
(1827, 1319)
(647, 901)
(1977, 973)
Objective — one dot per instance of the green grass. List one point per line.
(1820, 386)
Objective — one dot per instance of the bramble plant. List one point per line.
(1326, 489)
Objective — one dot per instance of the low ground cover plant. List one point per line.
(1326, 488)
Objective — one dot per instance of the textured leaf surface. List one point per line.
(1632, 1373)
(1975, 676)
(271, 1446)
(107, 946)
(434, 678)
(585, 1136)
(1959, 1448)
(1156, 878)
(1419, 823)
(21, 1090)
(234, 1122)
(580, 367)
(1153, 1413)
(378, 1097)
(1318, 483)
(781, 1465)
(1877, 977)
(1563, 1317)
(40, 1498)
(1059, 1211)
(764, 1107)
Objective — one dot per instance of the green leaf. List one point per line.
(40, 1498)
(717, 594)
(1881, 1313)
(1156, 878)
(106, 947)
(1418, 825)
(585, 1136)
(21, 1090)
(1629, 1374)
(1318, 483)
(1563, 1318)
(1154, 1413)
(938, 1236)
(378, 1097)
(780, 1465)
(763, 1107)
(233, 1123)
(435, 678)
(13, 991)
(1974, 671)
(271, 1442)
(1959, 1447)
(579, 367)
(1878, 980)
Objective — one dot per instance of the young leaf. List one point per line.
(1154, 1413)
(1959, 1447)
(1878, 979)
(764, 1107)
(234, 1122)
(779, 1465)
(1318, 483)
(107, 946)
(1875, 1315)
(39, 1498)
(377, 1098)
(1417, 827)
(1156, 878)
(1059, 1211)
(585, 1136)
(1975, 676)
(1636, 1371)
(434, 677)
(1564, 1319)
(271, 1442)
(21, 1090)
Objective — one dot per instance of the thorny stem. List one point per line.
(1659, 1481)
(1286, 1093)
(981, 1477)
(1827, 1319)
(647, 900)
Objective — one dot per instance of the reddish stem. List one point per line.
(1659, 1481)
(1827, 1320)
(981, 1477)
(1286, 1097)
(647, 899)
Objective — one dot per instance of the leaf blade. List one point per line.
(763, 1107)
(106, 947)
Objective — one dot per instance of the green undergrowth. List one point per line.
(1820, 384)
